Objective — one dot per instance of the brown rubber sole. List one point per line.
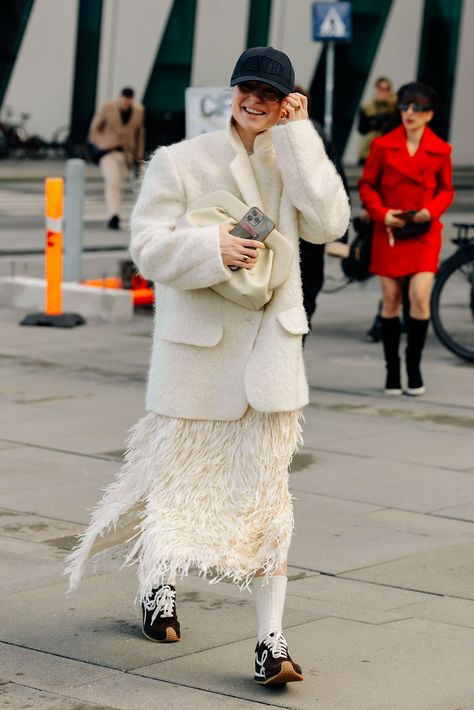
(171, 636)
(287, 674)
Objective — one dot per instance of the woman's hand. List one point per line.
(391, 219)
(236, 251)
(294, 107)
(423, 215)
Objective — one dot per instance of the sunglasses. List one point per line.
(416, 108)
(264, 93)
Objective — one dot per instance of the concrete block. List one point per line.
(108, 304)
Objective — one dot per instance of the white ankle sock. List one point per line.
(269, 601)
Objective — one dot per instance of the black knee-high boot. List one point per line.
(391, 342)
(416, 337)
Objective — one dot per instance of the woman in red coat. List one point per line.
(408, 170)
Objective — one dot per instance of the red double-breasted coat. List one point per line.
(393, 179)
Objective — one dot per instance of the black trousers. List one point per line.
(312, 274)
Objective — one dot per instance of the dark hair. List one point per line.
(128, 93)
(384, 80)
(414, 91)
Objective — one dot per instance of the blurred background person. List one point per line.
(116, 140)
(407, 183)
(374, 115)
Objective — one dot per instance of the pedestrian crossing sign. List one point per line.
(332, 22)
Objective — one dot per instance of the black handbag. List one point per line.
(412, 229)
(356, 265)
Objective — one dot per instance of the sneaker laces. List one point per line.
(161, 602)
(276, 644)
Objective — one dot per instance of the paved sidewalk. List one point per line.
(380, 608)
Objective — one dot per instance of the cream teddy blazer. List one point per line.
(211, 358)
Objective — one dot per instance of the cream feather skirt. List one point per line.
(207, 495)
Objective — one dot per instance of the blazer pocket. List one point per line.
(294, 320)
(198, 331)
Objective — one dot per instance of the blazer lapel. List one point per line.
(242, 172)
(398, 157)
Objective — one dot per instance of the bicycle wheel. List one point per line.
(36, 148)
(452, 304)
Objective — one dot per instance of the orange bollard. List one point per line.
(54, 194)
(53, 315)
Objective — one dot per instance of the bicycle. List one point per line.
(452, 299)
(15, 141)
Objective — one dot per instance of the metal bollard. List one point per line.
(73, 219)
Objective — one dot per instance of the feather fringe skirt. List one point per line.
(207, 495)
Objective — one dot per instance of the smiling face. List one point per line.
(255, 108)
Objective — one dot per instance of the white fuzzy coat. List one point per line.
(211, 359)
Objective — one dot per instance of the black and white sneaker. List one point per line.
(416, 386)
(273, 664)
(160, 621)
(393, 386)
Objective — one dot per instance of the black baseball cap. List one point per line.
(265, 64)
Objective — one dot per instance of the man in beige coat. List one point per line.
(117, 134)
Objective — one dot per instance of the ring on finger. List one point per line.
(245, 259)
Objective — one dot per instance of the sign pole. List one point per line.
(329, 90)
(332, 22)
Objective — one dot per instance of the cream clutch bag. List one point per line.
(250, 288)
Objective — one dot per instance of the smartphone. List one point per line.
(406, 216)
(253, 225)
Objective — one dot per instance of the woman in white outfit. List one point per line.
(205, 480)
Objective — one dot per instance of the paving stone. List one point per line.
(26, 565)
(53, 483)
(445, 571)
(326, 428)
(34, 528)
(100, 624)
(82, 434)
(419, 446)
(18, 697)
(126, 691)
(447, 610)
(347, 666)
(342, 590)
(381, 482)
(337, 536)
(46, 671)
(460, 512)
(87, 683)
